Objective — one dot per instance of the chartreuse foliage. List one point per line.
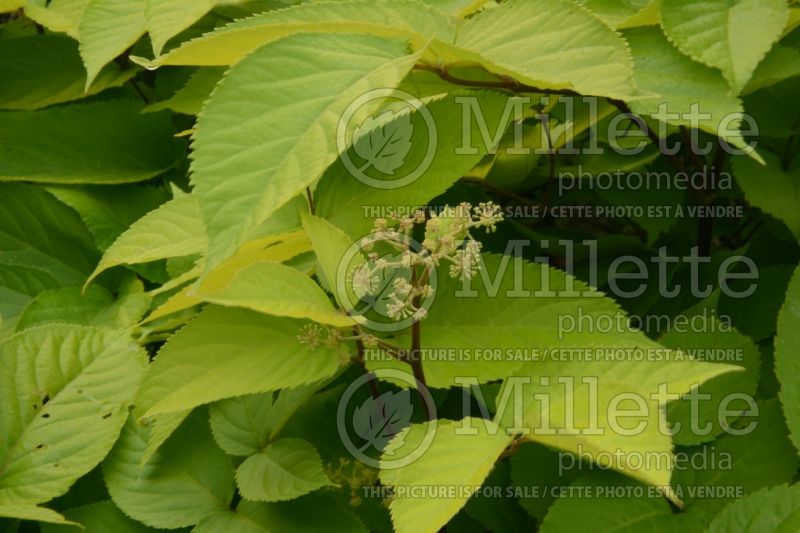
(464, 460)
(786, 366)
(760, 459)
(223, 308)
(767, 510)
(703, 30)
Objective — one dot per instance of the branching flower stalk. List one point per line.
(447, 240)
(402, 283)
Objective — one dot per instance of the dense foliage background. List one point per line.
(313, 266)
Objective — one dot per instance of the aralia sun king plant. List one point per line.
(374, 265)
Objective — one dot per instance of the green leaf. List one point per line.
(730, 35)
(108, 211)
(787, 366)
(734, 348)
(185, 481)
(776, 509)
(7, 6)
(600, 434)
(616, 13)
(99, 143)
(190, 98)
(244, 425)
(32, 512)
(757, 314)
(43, 235)
(93, 307)
(794, 18)
(160, 427)
(66, 392)
(457, 320)
(173, 230)
(530, 333)
(499, 513)
(710, 477)
(18, 286)
(536, 471)
(594, 60)
(98, 518)
(758, 457)
(331, 246)
(772, 188)
(227, 45)
(348, 202)
(167, 18)
(773, 118)
(243, 175)
(461, 8)
(314, 513)
(453, 461)
(276, 248)
(57, 15)
(606, 512)
(279, 290)
(329, 242)
(241, 425)
(284, 470)
(680, 83)
(781, 63)
(43, 70)
(243, 352)
(107, 28)
(44, 246)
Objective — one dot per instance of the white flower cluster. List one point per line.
(447, 238)
(403, 268)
